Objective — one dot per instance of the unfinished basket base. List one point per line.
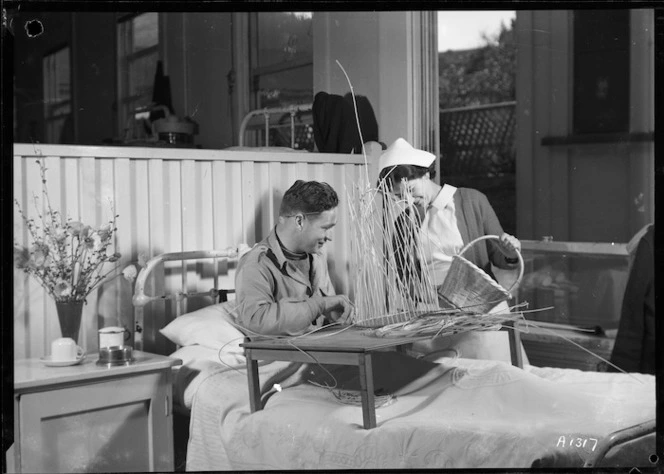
(444, 325)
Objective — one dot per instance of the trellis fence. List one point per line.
(478, 150)
(478, 141)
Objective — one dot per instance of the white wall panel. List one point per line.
(264, 218)
(168, 200)
(276, 191)
(233, 185)
(249, 198)
(51, 325)
(37, 303)
(88, 196)
(21, 294)
(190, 218)
(124, 201)
(157, 217)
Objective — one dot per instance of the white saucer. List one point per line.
(61, 363)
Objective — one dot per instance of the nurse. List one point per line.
(445, 219)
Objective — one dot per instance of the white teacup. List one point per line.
(113, 336)
(65, 349)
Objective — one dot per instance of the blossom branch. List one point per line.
(66, 257)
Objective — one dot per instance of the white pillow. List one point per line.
(198, 356)
(212, 326)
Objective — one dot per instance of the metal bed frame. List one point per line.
(620, 437)
(140, 298)
(293, 110)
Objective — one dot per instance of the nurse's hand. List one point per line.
(509, 246)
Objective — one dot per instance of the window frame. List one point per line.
(124, 60)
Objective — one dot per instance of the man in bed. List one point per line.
(283, 287)
(282, 284)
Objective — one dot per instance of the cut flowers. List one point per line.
(66, 257)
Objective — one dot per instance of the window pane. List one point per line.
(601, 71)
(138, 54)
(293, 86)
(282, 68)
(57, 96)
(55, 131)
(141, 74)
(57, 77)
(63, 108)
(145, 31)
(62, 75)
(477, 73)
(284, 37)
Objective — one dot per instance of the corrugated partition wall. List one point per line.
(168, 200)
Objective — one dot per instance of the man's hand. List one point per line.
(338, 308)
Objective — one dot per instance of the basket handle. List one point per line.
(518, 254)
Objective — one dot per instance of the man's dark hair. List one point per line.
(396, 173)
(308, 197)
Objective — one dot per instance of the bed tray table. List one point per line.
(328, 346)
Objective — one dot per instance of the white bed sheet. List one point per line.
(197, 360)
(480, 414)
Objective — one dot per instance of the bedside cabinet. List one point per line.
(88, 418)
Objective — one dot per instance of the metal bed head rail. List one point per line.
(293, 110)
(140, 298)
(620, 437)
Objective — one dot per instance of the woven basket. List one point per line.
(467, 287)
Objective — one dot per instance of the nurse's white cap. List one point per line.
(402, 153)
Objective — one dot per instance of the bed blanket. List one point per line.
(479, 414)
(217, 395)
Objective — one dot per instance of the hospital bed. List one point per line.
(478, 414)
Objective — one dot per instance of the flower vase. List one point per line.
(69, 314)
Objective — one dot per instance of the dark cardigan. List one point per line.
(634, 349)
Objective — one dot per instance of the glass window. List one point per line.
(284, 39)
(477, 74)
(601, 71)
(282, 74)
(138, 53)
(145, 30)
(57, 96)
(282, 66)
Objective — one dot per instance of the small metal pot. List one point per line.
(115, 355)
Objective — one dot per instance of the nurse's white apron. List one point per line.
(440, 240)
